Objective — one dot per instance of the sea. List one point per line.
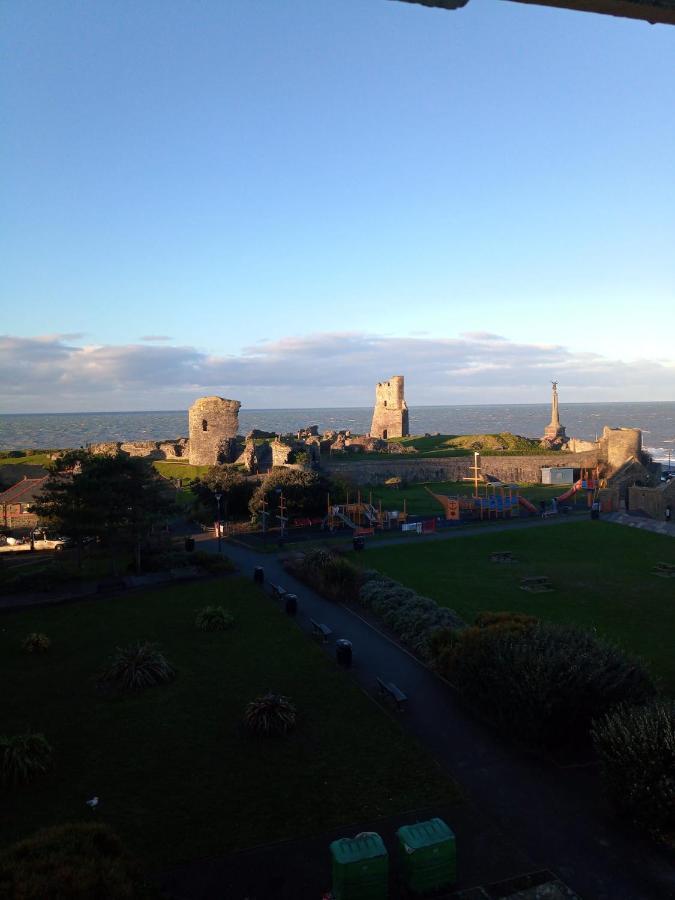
(19, 431)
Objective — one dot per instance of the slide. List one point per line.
(527, 505)
(577, 486)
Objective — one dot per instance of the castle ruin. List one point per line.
(390, 415)
(213, 424)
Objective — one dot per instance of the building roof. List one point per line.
(654, 11)
(23, 491)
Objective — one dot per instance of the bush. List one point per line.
(544, 684)
(214, 564)
(78, 862)
(514, 620)
(270, 715)
(36, 643)
(214, 618)
(416, 620)
(22, 758)
(636, 747)
(304, 493)
(137, 666)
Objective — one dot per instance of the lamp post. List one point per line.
(218, 498)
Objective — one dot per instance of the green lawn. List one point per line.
(421, 503)
(600, 572)
(34, 459)
(173, 771)
(171, 469)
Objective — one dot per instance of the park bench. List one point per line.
(536, 584)
(664, 570)
(320, 631)
(278, 591)
(389, 689)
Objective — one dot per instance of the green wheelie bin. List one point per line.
(427, 856)
(360, 867)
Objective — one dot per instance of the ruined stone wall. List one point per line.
(390, 415)
(618, 445)
(176, 449)
(652, 501)
(505, 468)
(213, 424)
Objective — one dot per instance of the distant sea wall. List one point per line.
(505, 468)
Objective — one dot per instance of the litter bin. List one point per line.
(427, 855)
(189, 544)
(360, 868)
(291, 604)
(359, 543)
(259, 575)
(343, 652)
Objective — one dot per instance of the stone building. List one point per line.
(16, 503)
(390, 415)
(213, 424)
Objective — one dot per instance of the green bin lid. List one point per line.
(425, 834)
(364, 846)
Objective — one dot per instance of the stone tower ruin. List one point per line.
(390, 416)
(213, 423)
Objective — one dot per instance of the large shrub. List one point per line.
(22, 758)
(544, 684)
(215, 564)
(636, 748)
(214, 618)
(78, 862)
(413, 618)
(305, 493)
(270, 715)
(331, 575)
(137, 666)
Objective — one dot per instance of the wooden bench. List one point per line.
(320, 631)
(389, 689)
(278, 591)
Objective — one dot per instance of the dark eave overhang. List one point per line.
(662, 13)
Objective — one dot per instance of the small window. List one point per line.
(384, 434)
(205, 425)
(385, 402)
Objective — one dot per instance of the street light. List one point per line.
(218, 498)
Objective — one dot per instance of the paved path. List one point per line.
(644, 524)
(555, 815)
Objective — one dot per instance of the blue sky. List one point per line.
(358, 184)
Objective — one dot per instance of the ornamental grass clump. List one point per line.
(269, 716)
(636, 749)
(333, 576)
(413, 618)
(138, 666)
(543, 684)
(214, 618)
(23, 757)
(36, 642)
(75, 861)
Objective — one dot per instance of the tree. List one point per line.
(304, 492)
(235, 489)
(114, 498)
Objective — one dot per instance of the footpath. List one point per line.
(553, 817)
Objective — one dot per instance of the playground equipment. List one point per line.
(497, 502)
(588, 482)
(361, 517)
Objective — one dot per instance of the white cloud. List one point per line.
(47, 373)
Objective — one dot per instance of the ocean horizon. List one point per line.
(19, 431)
